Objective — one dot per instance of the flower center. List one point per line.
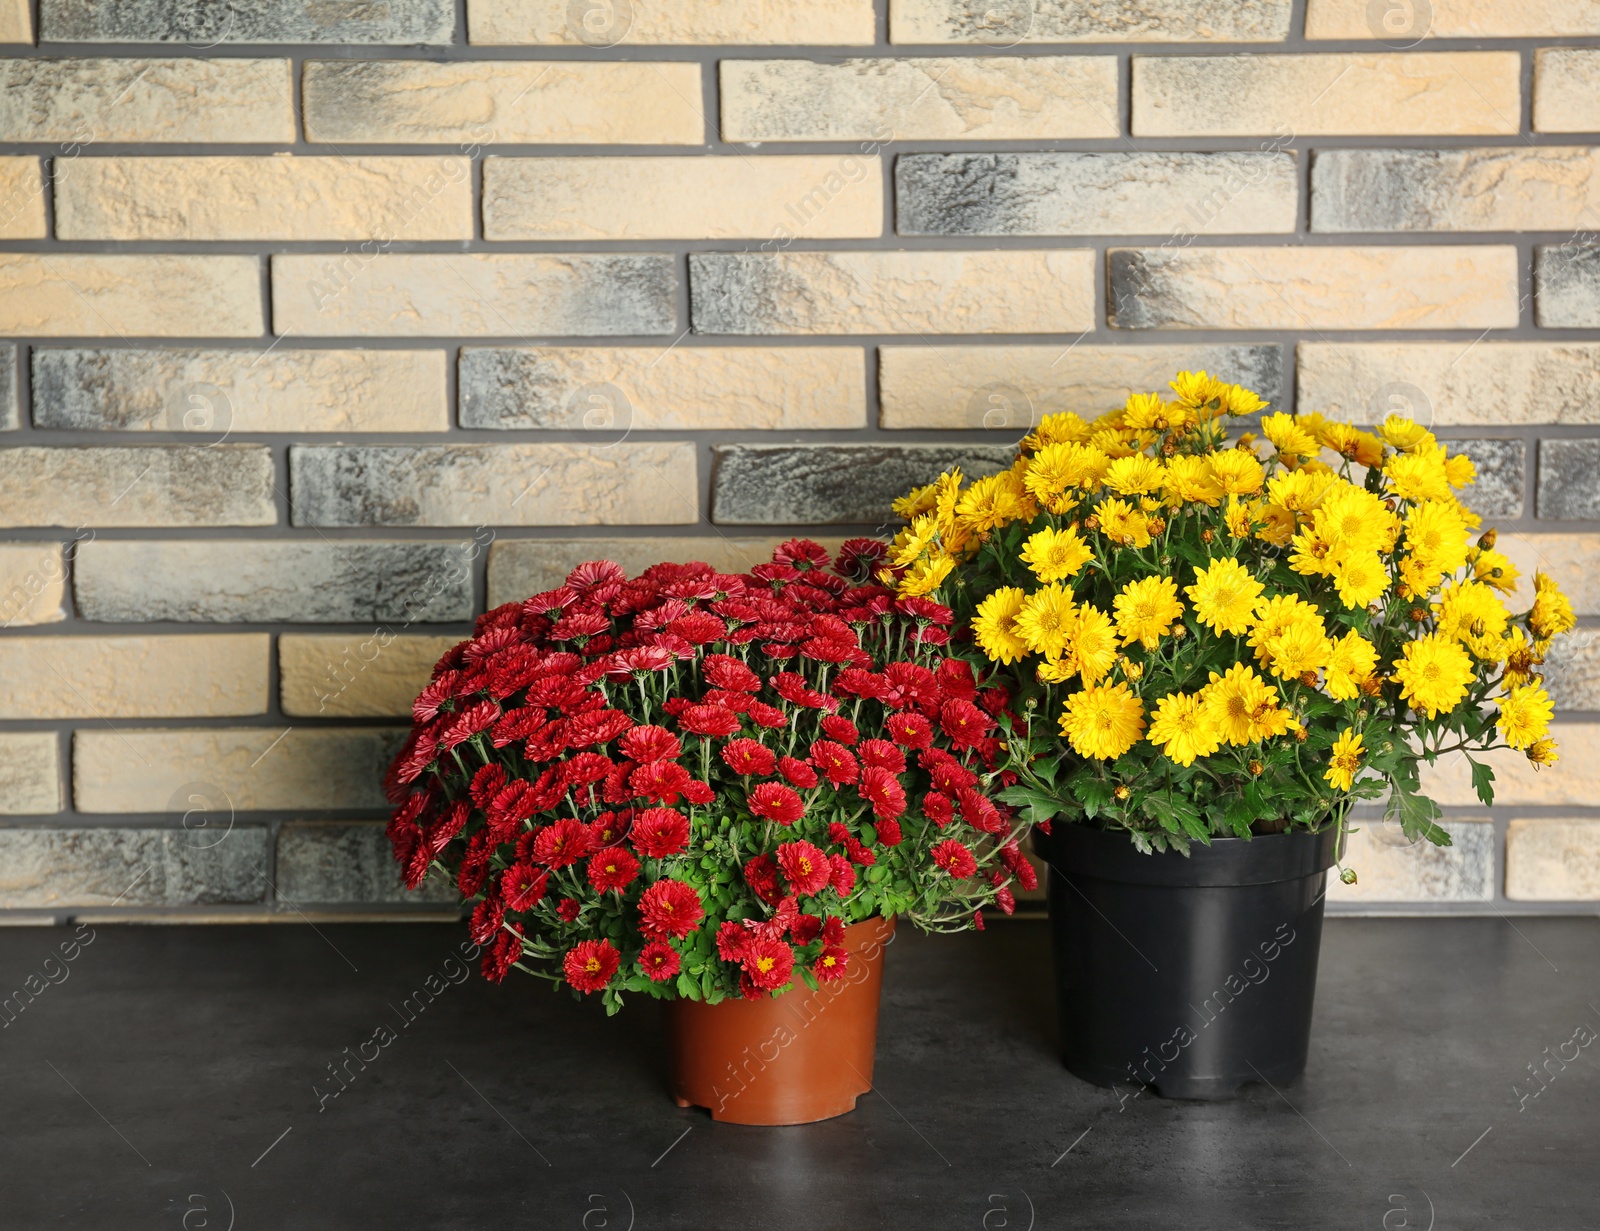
(764, 964)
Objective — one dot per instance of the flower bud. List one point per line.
(1122, 792)
(1348, 876)
(1257, 769)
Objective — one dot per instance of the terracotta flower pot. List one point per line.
(788, 1059)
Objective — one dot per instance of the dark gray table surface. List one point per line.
(172, 1078)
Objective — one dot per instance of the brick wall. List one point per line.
(329, 324)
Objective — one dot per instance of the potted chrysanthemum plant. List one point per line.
(1216, 646)
(720, 791)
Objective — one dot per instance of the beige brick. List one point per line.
(686, 388)
(1575, 780)
(226, 485)
(30, 773)
(16, 21)
(1436, 287)
(1543, 188)
(81, 103)
(21, 199)
(956, 97)
(1344, 93)
(355, 675)
(1402, 24)
(797, 196)
(1566, 90)
(604, 23)
(1569, 560)
(1013, 291)
(277, 197)
(1071, 21)
(1010, 388)
(1554, 859)
(631, 483)
(33, 583)
(252, 768)
(181, 676)
(1390, 868)
(472, 294)
(220, 392)
(519, 568)
(68, 294)
(490, 102)
(1451, 384)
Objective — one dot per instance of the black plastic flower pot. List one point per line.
(1187, 976)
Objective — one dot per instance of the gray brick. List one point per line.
(771, 485)
(1005, 23)
(627, 483)
(1095, 194)
(132, 867)
(207, 22)
(329, 863)
(1572, 670)
(1569, 480)
(228, 485)
(30, 773)
(1391, 869)
(8, 388)
(1502, 466)
(1567, 285)
(1550, 188)
(323, 582)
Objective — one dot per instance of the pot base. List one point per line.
(797, 1058)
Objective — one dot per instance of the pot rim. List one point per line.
(1080, 851)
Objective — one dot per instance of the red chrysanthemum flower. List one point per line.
(593, 575)
(597, 727)
(590, 964)
(761, 874)
(584, 768)
(567, 909)
(948, 774)
(805, 867)
(792, 687)
(726, 672)
(954, 858)
(910, 730)
(670, 908)
(660, 832)
(700, 793)
(613, 868)
(835, 761)
(522, 886)
(767, 963)
(860, 559)
(503, 953)
(469, 722)
(650, 743)
(660, 782)
(659, 961)
(561, 844)
(842, 876)
(882, 753)
(840, 728)
(776, 802)
(889, 833)
(801, 554)
(805, 928)
(797, 773)
(832, 963)
(883, 790)
(748, 756)
(698, 627)
(979, 811)
(964, 723)
(767, 715)
(738, 702)
(486, 919)
(709, 720)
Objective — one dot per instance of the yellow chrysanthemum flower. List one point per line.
(1182, 728)
(1237, 400)
(926, 575)
(1240, 516)
(1057, 429)
(1197, 389)
(1460, 471)
(1520, 658)
(1495, 569)
(1351, 519)
(1238, 471)
(1145, 610)
(1542, 753)
(1287, 436)
(1436, 537)
(1135, 476)
(1299, 491)
(1433, 673)
(1147, 412)
(1103, 721)
(1344, 761)
(995, 625)
(1243, 706)
(1092, 647)
(1298, 650)
(1055, 555)
(1122, 523)
(1524, 717)
(992, 502)
(1473, 614)
(1351, 662)
(1224, 596)
(1552, 614)
(1402, 433)
(1362, 448)
(1418, 476)
(1360, 578)
(1313, 555)
(1046, 620)
(915, 502)
(1276, 615)
(1190, 479)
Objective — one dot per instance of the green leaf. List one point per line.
(1482, 781)
(1037, 805)
(688, 988)
(1417, 814)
